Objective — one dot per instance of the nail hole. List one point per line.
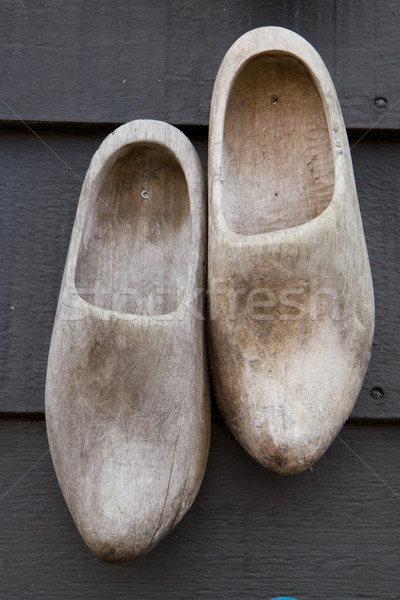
(145, 194)
(377, 393)
(380, 102)
(274, 100)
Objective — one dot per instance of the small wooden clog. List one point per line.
(127, 402)
(291, 312)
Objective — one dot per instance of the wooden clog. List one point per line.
(127, 401)
(291, 300)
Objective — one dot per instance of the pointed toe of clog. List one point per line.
(286, 401)
(290, 445)
(113, 551)
(117, 541)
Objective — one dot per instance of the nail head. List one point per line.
(377, 393)
(380, 102)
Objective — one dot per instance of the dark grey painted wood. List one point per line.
(42, 180)
(331, 534)
(115, 61)
(38, 186)
(376, 167)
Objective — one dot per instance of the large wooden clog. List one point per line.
(127, 402)
(291, 299)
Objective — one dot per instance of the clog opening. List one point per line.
(134, 251)
(278, 166)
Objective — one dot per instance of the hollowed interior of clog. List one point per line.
(134, 251)
(278, 167)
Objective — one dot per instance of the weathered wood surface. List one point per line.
(127, 394)
(291, 305)
(37, 207)
(117, 61)
(331, 534)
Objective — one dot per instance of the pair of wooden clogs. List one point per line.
(290, 312)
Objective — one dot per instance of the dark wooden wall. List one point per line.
(71, 72)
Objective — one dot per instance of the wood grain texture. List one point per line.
(37, 207)
(291, 305)
(117, 61)
(278, 155)
(330, 534)
(127, 391)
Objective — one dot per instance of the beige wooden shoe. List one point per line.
(291, 298)
(127, 402)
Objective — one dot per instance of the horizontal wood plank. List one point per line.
(90, 61)
(329, 534)
(42, 178)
